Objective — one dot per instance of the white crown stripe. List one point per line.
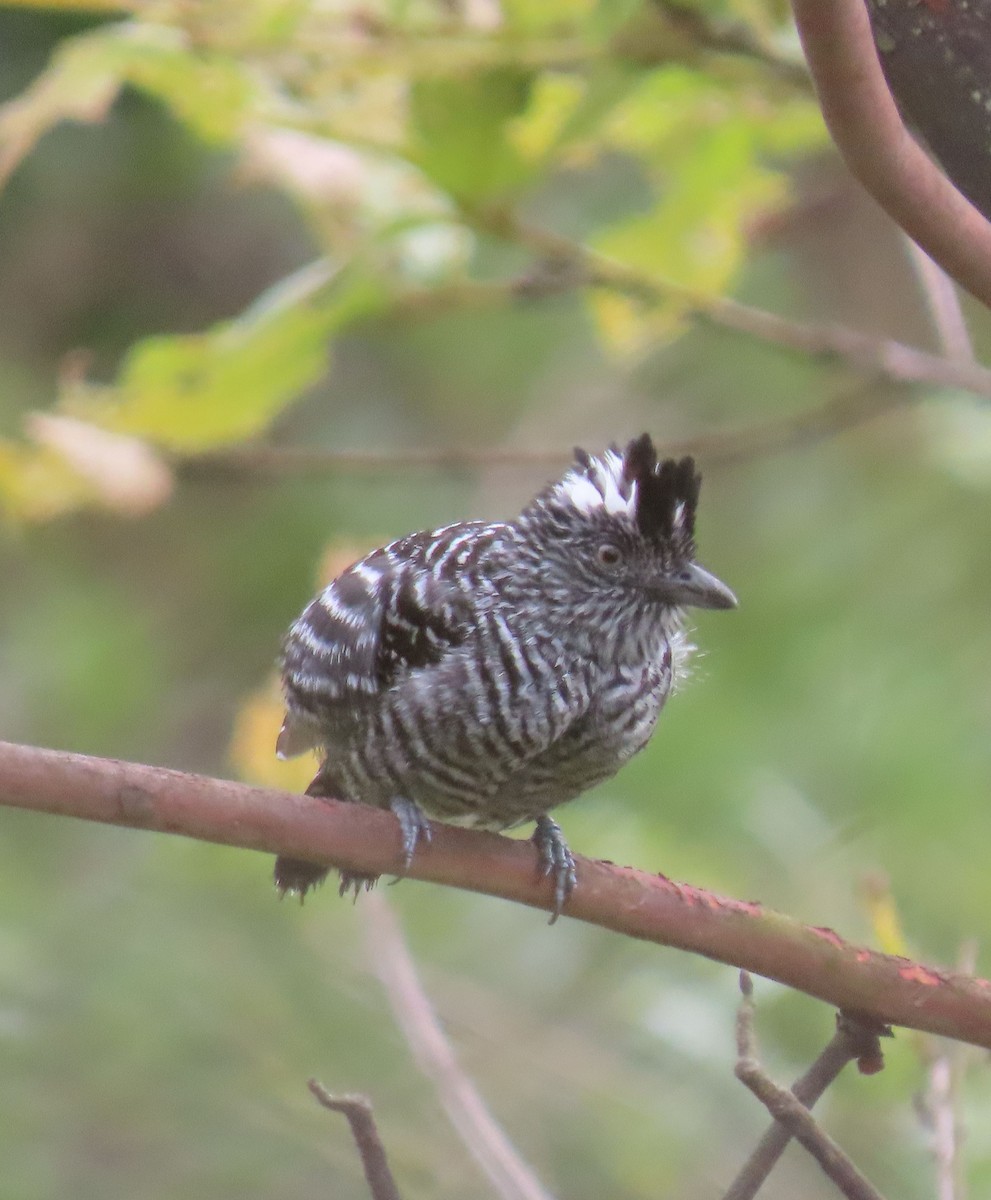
(580, 493)
(599, 484)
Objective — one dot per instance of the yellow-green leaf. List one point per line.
(210, 93)
(193, 392)
(459, 131)
(38, 484)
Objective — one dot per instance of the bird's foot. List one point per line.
(413, 825)
(297, 877)
(556, 860)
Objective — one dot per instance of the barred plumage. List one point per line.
(489, 672)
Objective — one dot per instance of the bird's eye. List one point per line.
(608, 554)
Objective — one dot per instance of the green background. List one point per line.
(160, 1011)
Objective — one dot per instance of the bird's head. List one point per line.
(625, 521)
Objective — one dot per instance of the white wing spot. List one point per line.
(370, 575)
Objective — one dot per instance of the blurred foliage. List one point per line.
(341, 226)
(464, 114)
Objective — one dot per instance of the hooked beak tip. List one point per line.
(696, 587)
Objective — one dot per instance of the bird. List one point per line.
(486, 673)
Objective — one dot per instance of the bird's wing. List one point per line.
(383, 617)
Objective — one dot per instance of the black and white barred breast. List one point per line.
(441, 669)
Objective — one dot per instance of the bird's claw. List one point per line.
(413, 825)
(557, 860)
(414, 828)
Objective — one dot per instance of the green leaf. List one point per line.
(460, 132)
(567, 112)
(529, 17)
(709, 149)
(208, 92)
(194, 392)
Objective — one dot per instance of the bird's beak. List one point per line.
(693, 586)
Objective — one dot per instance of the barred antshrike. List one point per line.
(488, 673)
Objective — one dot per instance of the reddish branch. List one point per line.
(879, 150)
(635, 903)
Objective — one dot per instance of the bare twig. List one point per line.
(850, 408)
(789, 1111)
(943, 304)
(945, 1068)
(638, 904)
(726, 37)
(853, 1040)
(853, 407)
(871, 356)
(510, 1176)
(305, 460)
(879, 150)
(940, 1112)
(358, 1110)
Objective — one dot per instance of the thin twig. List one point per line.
(510, 1176)
(358, 1110)
(725, 37)
(943, 304)
(879, 150)
(940, 1113)
(872, 356)
(306, 460)
(852, 1041)
(940, 1104)
(791, 1112)
(852, 407)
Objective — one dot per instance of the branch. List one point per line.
(939, 1105)
(366, 840)
(847, 410)
(735, 38)
(943, 302)
(509, 1175)
(305, 460)
(867, 355)
(790, 1112)
(879, 150)
(358, 1110)
(853, 1040)
(940, 1110)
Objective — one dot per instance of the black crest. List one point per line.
(667, 493)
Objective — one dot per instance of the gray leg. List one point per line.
(555, 859)
(414, 827)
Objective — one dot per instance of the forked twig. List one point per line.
(791, 1111)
